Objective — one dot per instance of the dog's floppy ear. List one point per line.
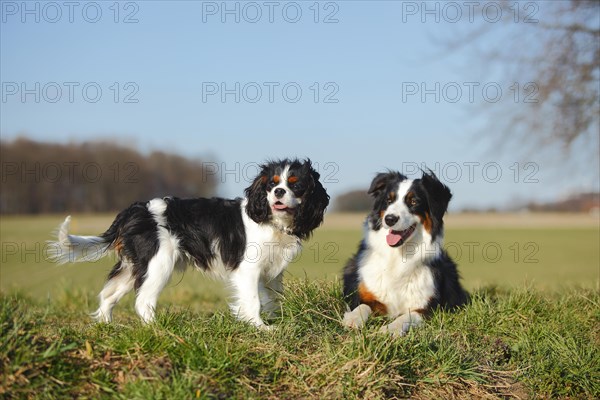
(309, 214)
(438, 197)
(258, 206)
(377, 186)
(383, 179)
(379, 183)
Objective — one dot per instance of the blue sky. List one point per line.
(354, 116)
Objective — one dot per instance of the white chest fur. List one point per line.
(270, 249)
(397, 277)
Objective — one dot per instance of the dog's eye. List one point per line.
(274, 182)
(413, 202)
(390, 200)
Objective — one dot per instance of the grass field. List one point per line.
(531, 330)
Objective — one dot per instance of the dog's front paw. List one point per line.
(402, 324)
(265, 328)
(353, 321)
(356, 318)
(395, 328)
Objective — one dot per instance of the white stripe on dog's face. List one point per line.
(397, 216)
(286, 195)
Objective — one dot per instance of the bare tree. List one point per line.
(548, 54)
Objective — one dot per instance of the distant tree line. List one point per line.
(353, 201)
(582, 202)
(92, 177)
(360, 201)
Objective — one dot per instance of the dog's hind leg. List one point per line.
(159, 271)
(120, 282)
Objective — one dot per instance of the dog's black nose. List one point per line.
(391, 219)
(279, 193)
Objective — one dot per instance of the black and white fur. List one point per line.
(249, 242)
(401, 269)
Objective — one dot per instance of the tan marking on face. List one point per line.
(391, 197)
(410, 199)
(426, 221)
(276, 179)
(292, 179)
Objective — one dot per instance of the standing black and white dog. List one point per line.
(401, 269)
(247, 241)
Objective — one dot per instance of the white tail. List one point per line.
(71, 248)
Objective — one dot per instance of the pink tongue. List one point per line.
(393, 238)
(279, 206)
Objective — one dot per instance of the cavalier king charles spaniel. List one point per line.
(249, 242)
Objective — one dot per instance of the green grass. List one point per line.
(547, 259)
(543, 258)
(515, 343)
(532, 329)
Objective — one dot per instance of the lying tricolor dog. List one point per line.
(247, 241)
(401, 269)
